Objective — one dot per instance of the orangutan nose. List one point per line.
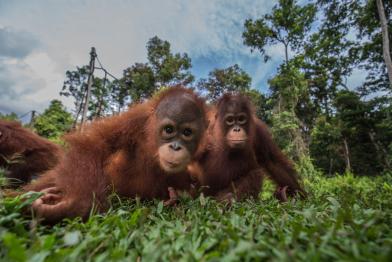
(175, 146)
(237, 129)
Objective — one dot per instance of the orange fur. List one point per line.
(226, 173)
(116, 154)
(24, 154)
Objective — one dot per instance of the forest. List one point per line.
(339, 136)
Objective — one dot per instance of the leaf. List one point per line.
(135, 216)
(202, 200)
(333, 201)
(72, 238)
(160, 207)
(16, 250)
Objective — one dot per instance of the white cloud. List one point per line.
(45, 38)
(43, 67)
(17, 81)
(119, 30)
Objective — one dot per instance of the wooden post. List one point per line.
(32, 119)
(93, 55)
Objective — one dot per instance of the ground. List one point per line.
(344, 218)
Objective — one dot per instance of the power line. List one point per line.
(103, 69)
(25, 114)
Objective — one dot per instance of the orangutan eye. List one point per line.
(242, 119)
(230, 120)
(187, 132)
(169, 129)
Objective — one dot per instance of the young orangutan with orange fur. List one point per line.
(143, 152)
(24, 154)
(238, 151)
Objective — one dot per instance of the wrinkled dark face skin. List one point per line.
(180, 127)
(235, 117)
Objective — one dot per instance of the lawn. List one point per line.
(344, 218)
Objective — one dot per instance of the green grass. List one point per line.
(344, 219)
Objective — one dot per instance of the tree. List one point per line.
(54, 121)
(262, 104)
(373, 47)
(11, 116)
(164, 68)
(100, 98)
(326, 147)
(119, 95)
(357, 138)
(75, 86)
(330, 54)
(289, 88)
(168, 68)
(287, 24)
(140, 81)
(220, 81)
(385, 38)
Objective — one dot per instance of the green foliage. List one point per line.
(75, 86)
(99, 103)
(168, 68)
(344, 219)
(368, 24)
(10, 116)
(140, 81)
(287, 24)
(289, 87)
(289, 92)
(327, 146)
(106, 96)
(365, 128)
(331, 54)
(285, 130)
(54, 121)
(311, 107)
(220, 81)
(3, 180)
(262, 104)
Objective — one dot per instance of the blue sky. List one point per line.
(41, 39)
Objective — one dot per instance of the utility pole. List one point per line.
(93, 55)
(32, 119)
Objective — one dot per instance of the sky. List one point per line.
(40, 40)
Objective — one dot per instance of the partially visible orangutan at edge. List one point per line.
(238, 151)
(23, 154)
(143, 152)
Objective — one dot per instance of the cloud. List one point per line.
(17, 81)
(120, 29)
(32, 71)
(16, 44)
(28, 80)
(41, 39)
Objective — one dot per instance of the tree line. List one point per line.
(314, 113)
